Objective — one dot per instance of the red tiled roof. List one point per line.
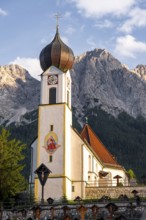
(98, 147)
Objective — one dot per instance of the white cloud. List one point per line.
(2, 12)
(137, 18)
(98, 8)
(30, 64)
(104, 24)
(91, 42)
(128, 46)
(70, 30)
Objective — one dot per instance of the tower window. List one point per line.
(51, 127)
(50, 158)
(52, 95)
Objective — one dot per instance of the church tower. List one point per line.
(55, 119)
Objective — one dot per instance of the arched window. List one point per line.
(52, 95)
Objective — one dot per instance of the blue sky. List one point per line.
(27, 26)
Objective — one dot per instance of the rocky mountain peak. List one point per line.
(19, 91)
(98, 58)
(140, 71)
(100, 80)
(11, 73)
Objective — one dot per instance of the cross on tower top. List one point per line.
(57, 20)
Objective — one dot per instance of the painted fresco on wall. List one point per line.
(51, 142)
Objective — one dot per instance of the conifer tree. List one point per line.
(11, 156)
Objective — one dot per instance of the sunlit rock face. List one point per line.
(19, 92)
(101, 80)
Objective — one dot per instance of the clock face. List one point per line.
(52, 80)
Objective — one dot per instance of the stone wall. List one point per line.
(113, 192)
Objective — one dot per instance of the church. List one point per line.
(75, 160)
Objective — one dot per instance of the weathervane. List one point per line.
(57, 20)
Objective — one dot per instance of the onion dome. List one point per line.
(57, 54)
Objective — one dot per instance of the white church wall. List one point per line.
(96, 166)
(92, 166)
(68, 89)
(61, 88)
(86, 165)
(67, 134)
(54, 192)
(68, 187)
(67, 151)
(64, 85)
(94, 175)
(77, 165)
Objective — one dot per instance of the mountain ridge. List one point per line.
(98, 79)
(103, 89)
(105, 82)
